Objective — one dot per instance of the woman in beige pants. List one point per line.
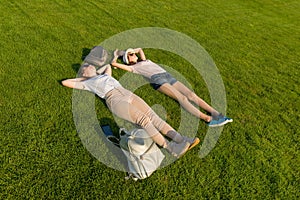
(130, 107)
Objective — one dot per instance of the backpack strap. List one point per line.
(141, 165)
(141, 156)
(131, 176)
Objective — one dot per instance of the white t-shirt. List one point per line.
(147, 68)
(99, 85)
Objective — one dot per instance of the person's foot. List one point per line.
(177, 149)
(219, 120)
(193, 141)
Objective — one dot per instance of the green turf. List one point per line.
(256, 47)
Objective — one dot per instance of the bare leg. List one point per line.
(183, 100)
(194, 98)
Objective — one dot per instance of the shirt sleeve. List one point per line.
(80, 86)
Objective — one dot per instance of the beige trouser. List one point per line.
(132, 108)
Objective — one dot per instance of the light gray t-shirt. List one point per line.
(100, 85)
(147, 68)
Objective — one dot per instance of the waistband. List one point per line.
(117, 90)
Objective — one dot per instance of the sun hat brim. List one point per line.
(125, 56)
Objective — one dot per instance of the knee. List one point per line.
(192, 96)
(182, 99)
(143, 120)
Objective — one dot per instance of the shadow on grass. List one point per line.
(117, 152)
(85, 52)
(112, 124)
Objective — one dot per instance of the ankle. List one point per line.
(216, 113)
(208, 119)
(175, 136)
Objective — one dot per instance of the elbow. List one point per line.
(113, 63)
(138, 50)
(63, 82)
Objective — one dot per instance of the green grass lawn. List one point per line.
(256, 47)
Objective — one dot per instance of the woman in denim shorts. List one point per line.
(164, 82)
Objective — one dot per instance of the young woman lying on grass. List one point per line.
(167, 84)
(130, 107)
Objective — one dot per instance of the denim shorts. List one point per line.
(158, 80)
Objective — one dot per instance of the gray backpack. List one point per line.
(142, 153)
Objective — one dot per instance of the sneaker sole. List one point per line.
(196, 141)
(221, 124)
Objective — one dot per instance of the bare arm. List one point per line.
(73, 83)
(141, 52)
(106, 69)
(119, 65)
